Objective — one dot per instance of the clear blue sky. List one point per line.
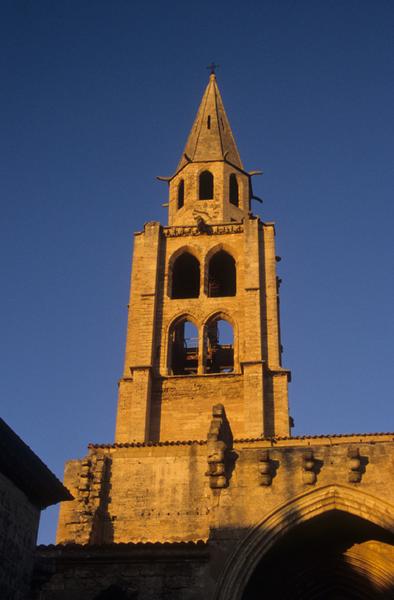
(96, 99)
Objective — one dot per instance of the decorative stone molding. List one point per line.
(187, 230)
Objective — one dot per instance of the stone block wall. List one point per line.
(162, 492)
(181, 406)
(126, 572)
(18, 533)
(231, 497)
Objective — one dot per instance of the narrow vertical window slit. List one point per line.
(181, 194)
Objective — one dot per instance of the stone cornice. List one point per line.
(192, 230)
(277, 442)
(115, 552)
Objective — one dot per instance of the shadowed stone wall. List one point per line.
(18, 533)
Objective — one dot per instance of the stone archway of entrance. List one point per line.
(337, 539)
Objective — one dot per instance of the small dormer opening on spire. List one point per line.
(181, 194)
(205, 186)
(234, 192)
(209, 122)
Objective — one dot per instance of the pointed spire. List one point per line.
(211, 137)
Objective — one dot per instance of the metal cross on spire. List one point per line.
(212, 68)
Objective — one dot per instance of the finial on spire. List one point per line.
(212, 67)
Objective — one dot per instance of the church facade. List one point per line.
(205, 495)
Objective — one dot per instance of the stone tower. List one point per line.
(203, 321)
(204, 495)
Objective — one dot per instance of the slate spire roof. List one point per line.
(211, 137)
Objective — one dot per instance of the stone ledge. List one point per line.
(272, 441)
(80, 553)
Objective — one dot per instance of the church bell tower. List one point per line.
(203, 323)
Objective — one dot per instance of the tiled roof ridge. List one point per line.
(311, 437)
(72, 546)
(238, 440)
(149, 444)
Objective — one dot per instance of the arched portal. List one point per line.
(313, 561)
(334, 542)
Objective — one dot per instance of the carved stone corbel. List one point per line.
(308, 468)
(355, 466)
(265, 468)
(218, 443)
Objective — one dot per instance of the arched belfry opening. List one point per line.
(219, 346)
(185, 279)
(183, 350)
(205, 186)
(334, 556)
(233, 190)
(222, 278)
